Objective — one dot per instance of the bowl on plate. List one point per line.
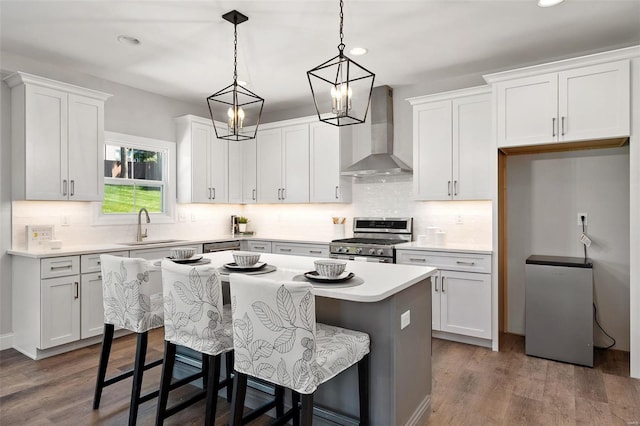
(329, 268)
(245, 259)
(182, 253)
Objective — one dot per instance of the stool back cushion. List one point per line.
(129, 294)
(193, 310)
(274, 325)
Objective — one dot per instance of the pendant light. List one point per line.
(341, 88)
(235, 110)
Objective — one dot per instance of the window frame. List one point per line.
(168, 173)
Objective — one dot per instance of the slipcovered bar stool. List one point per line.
(195, 317)
(277, 339)
(132, 298)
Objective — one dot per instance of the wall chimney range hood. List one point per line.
(381, 161)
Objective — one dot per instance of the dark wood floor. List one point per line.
(472, 386)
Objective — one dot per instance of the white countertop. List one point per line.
(448, 247)
(80, 249)
(381, 280)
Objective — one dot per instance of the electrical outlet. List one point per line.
(193, 217)
(66, 220)
(586, 219)
(405, 320)
(182, 217)
(459, 220)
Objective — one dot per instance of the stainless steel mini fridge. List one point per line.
(559, 309)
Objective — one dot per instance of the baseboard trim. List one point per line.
(6, 341)
(462, 339)
(420, 416)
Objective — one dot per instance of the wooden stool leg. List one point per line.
(295, 404)
(279, 395)
(228, 357)
(237, 402)
(165, 381)
(363, 389)
(107, 339)
(138, 371)
(306, 417)
(213, 381)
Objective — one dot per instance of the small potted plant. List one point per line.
(242, 223)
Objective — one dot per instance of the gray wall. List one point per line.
(129, 111)
(545, 192)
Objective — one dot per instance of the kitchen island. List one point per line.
(400, 392)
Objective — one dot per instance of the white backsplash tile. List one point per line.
(463, 221)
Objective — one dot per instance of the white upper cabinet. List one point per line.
(330, 151)
(452, 145)
(283, 164)
(203, 162)
(242, 172)
(570, 105)
(57, 133)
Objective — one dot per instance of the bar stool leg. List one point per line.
(165, 381)
(213, 382)
(306, 417)
(279, 395)
(295, 404)
(228, 357)
(107, 339)
(138, 370)
(363, 389)
(237, 402)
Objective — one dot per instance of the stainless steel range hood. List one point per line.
(381, 161)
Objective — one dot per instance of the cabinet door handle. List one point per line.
(553, 127)
(449, 187)
(284, 193)
(442, 284)
(455, 187)
(562, 125)
(417, 259)
(73, 187)
(99, 277)
(460, 262)
(315, 251)
(279, 190)
(64, 187)
(253, 194)
(286, 250)
(209, 197)
(258, 247)
(435, 280)
(77, 288)
(337, 197)
(214, 193)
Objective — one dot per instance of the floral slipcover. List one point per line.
(130, 293)
(194, 315)
(276, 337)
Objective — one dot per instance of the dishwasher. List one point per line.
(220, 246)
(559, 308)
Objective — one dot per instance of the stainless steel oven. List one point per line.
(374, 239)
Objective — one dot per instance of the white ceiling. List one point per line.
(187, 49)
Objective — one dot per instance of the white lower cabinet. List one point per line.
(301, 249)
(60, 308)
(256, 245)
(460, 291)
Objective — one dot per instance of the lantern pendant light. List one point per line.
(235, 110)
(341, 88)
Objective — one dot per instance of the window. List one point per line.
(138, 172)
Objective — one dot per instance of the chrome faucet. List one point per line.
(140, 235)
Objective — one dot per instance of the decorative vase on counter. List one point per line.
(338, 230)
(242, 227)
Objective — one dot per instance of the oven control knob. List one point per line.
(359, 250)
(340, 249)
(372, 251)
(380, 252)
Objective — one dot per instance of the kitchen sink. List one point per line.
(149, 242)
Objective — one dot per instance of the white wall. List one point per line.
(544, 194)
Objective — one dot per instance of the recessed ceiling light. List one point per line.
(125, 39)
(549, 3)
(358, 51)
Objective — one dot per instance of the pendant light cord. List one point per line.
(341, 45)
